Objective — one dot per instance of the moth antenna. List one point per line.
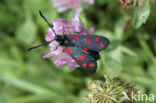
(46, 21)
(34, 47)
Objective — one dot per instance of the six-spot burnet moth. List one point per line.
(84, 49)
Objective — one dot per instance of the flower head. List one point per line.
(77, 5)
(110, 91)
(61, 58)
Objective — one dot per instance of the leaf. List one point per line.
(128, 51)
(113, 67)
(141, 15)
(113, 45)
(27, 31)
(152, 70)
(81, 96)
(110, 66)
(34, 98)
(25, 85)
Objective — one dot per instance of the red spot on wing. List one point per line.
(96, 39)
(84, 64)
(87, 37)
(89, 42)
(68, 50)
(77, 59)
(101, 44)
(75, 37)
(85, 48)
(91, 65)
(82, 57)
(85, 51)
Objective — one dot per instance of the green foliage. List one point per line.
(25, 77)
(141, 15)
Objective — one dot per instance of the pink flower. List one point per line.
(61, 58)
(77, 5)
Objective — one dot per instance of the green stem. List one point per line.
(146, 49)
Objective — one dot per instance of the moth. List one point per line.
(84, 49)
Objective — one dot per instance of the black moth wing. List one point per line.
(91, 42)
(85, 60)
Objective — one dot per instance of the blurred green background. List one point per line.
(25, 77)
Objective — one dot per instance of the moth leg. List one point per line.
(63, 30)
(56, 47)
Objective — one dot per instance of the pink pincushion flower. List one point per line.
(61, 58)
(77, 5)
